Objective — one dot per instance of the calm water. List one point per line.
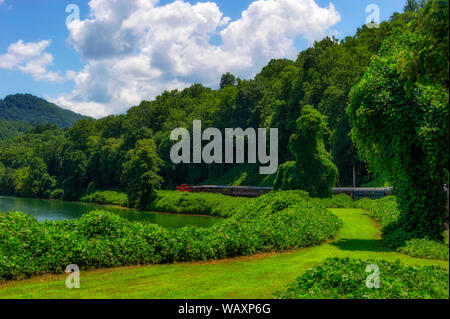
(59, 210)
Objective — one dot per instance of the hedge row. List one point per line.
(196, 203)
(107, 198)
(176, 202)
(345, 278)
(274, 222)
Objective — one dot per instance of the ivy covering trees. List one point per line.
(399, 114)
(313, 170)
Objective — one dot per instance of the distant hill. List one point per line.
(10, 129)
(34, 110)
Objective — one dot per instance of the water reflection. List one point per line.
(59, 210)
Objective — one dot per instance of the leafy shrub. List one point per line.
(196, 203)
(338, 201)
(384, 210)
(107, 197)
(176, 202)
(57, 194)
(424, 248)
(345, 278)
(100, 223)
(284, 220)
(274, 222)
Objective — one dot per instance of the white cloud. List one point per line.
(136, 49)
(30, 58)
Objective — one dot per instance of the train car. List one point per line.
(356, 193)
(225, 190)
(250, 191)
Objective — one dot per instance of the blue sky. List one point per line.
(85, 91)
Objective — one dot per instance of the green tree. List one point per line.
(6, 180)
(414, 5)
(74, 168)
(227, 80)
(140, 173)
(313, 170)
(111, 159)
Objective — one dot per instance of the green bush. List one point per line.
(196, 203)
(284, 220)
(273, 222)
(345, 278)
(424, 248)
(176, 202)
(107, 198)
(338, 201)
(57, 194)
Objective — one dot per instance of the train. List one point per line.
(360, 192)
(255, 191)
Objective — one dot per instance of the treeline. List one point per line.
(132, 151)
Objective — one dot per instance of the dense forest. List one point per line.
(10, 129)
(305, 99)
(31, 109)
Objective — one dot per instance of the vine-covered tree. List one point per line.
(399, 114)
(313, 170)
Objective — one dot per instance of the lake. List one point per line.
(60, 210)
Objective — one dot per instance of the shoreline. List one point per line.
(117, 207)
(148, 211)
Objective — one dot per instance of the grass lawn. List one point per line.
(256, 277)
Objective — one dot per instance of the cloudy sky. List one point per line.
(120, 52)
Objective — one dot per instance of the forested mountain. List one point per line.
(31, 109)
(305, 99)
(10, 129)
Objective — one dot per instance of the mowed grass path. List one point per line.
(256, 277)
